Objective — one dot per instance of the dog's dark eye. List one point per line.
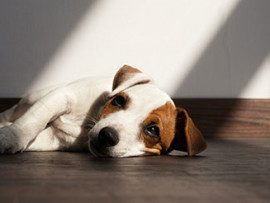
(119, 101)
(152, 131)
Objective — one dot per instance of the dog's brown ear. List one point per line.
(187, 138)
(126, 77)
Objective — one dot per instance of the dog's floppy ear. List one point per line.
(187, 138)
(126, 77)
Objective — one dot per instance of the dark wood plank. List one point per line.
(229, 117)
(218, 117)
(231, 170)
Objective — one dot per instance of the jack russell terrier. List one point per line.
(134, 119)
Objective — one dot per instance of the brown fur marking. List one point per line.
(109, 108)
(123, 74)
(164, 118)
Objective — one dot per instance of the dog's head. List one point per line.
(140, 119)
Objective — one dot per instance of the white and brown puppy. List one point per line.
(135, 118)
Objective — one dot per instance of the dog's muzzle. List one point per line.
(108, 137)
(102, 144)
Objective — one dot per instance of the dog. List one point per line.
(133, 118)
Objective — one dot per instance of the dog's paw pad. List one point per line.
(9, 143)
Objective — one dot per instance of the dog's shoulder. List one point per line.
(90, 84)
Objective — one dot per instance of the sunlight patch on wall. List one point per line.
(203, 26)
(162, 38)
(259, 84)
(73, 58)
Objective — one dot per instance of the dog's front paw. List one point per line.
(9, 141)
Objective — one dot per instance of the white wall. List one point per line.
(192, 48)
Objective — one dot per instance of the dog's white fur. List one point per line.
(63, 117)
(52, 119)
(128, 123)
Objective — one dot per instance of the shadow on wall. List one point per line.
(42, 24)
(236, 51)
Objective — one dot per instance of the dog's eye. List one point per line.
(119, 101)
(152, 131)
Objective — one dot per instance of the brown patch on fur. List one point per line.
(123, 74)
(188, 137)
(164, 118)
(109, 108)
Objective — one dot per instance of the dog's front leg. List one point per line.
(17, 136)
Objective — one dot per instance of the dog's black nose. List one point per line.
(108, 137)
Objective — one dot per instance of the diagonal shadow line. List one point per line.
(236, 53)
(31, 33)
(248, 27)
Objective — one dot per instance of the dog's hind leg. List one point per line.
(18, 135)
(10, 115)
(53, 139)
(45, 141)
(5, 116)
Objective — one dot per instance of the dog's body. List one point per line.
(136, 118)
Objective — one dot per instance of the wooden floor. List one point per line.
(231, 170)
